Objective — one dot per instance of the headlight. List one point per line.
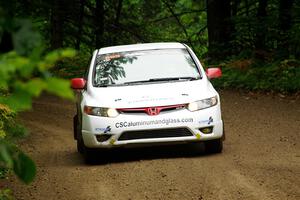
(202, 104)
(103, 112)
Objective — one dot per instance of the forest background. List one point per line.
(44, 43)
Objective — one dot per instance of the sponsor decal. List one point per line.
(150, 100)
(207, 121)
(104, 130)
(112, 56)
(210, 120)
(153, 122)
(112, 141)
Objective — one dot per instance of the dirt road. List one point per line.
(261, 158)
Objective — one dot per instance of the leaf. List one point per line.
(24, 168)
(52, 57)
(68, 53)
(2, 133)
(5, 155)
(59, 87)
(6, 194)
(34, 86)
(20, 100)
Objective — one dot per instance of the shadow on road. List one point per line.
(147, 153)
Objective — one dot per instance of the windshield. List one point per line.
(144, 66)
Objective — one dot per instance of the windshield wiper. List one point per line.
(103, 85)
(173, 79)
(164, 79)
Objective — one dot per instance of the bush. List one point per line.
(72, 67)
(6, 194)
(278, 76)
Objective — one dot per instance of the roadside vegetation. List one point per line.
(255, 42)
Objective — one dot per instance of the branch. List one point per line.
(177, 15)
(179, 23)
(118, 11)
(128, 30)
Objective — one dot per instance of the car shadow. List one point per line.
(120, 155)
(71, 157)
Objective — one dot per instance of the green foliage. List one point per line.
(25, 74)
(24, 167)
(280, 76)
(6, 194)
(26, 77)
(72, 67)
(4, 172)
(22, 79)
(13, 158)
(9, 128)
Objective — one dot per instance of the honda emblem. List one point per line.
(152, 111)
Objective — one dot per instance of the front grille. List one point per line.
(159, 133)
(144, 109)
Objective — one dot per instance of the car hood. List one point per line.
(147, 95)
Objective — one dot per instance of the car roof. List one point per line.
(142, 46)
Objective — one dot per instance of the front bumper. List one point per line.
(93, 126)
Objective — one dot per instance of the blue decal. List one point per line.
(108, 129)
(207, 121)
(104, 130)
(210, 120)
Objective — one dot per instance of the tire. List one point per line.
(78, 135)
(75, 126)
(80, 144)
(214, 146)
(87, 153)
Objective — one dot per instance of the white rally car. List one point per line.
(144, 94)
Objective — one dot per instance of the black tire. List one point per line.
(78, 135)
(88, 153)
(75, 126)
(80, 144)
(214, 146)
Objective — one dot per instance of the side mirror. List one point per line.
(78, 83)
(213, 73)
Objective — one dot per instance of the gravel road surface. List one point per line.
(261, 157)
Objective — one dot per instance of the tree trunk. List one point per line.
(57, 24)
(285, 24)
(260, 42)
(6, 42)
(118, 12)
(219, 28)
(234, 11)
(80, 24)
(234, 7)
(99, 23)
(116, 24)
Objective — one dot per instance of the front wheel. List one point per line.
(214, 146)
(88, 153)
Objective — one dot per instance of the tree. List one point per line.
(219, 28)
(57, 24)
(99, 23)
(285, 24)
(260, 42)
(80, 23)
